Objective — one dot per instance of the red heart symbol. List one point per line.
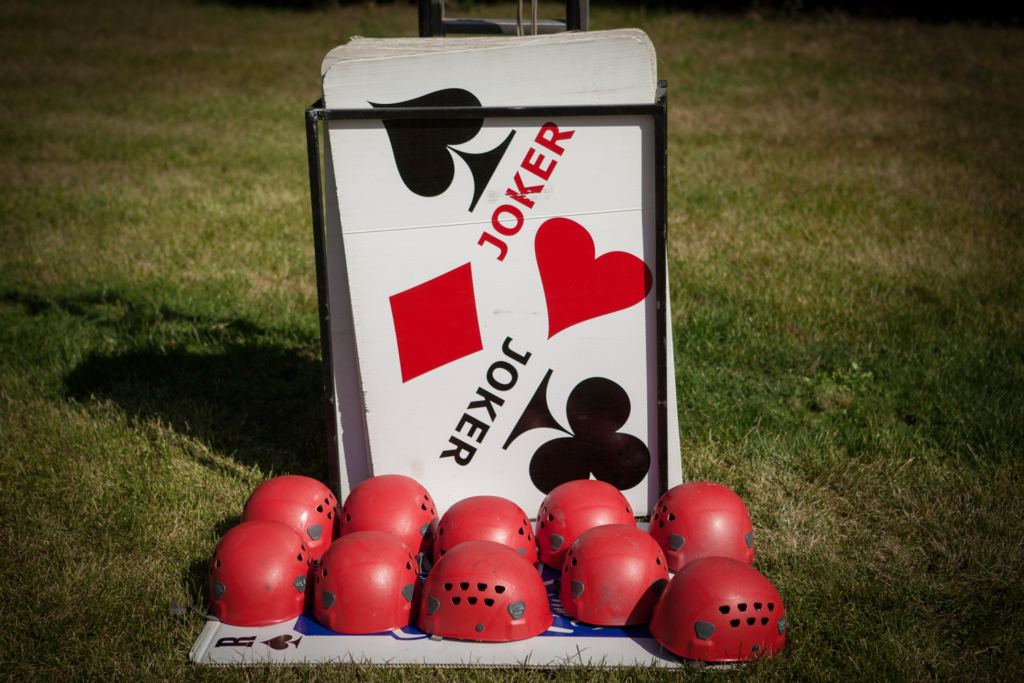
(579, 287)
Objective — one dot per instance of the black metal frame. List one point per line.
(433, 23)
(656, 110)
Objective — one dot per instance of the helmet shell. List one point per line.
(258, 574)
(702, 519)
(613, 576)
(572, 508)
(367, 582)
(393, 503)
(717, 609)
(482, 590)
(486, 518)
(304, 504)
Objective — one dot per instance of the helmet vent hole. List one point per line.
(724, 609)
(471, 601)
(628, 510)
(319, 508)
(529, 537)
(764, 621)
(551, 518)
(655, 515)
(481, 587)
(464, 586)
(302, 546)
(771, 606)
(658, 560)
(661, 524)
(734, 623)
(664, 508)
(443, 552)
(757, 606)
(300, 557)
(324, 572)
(423, 506)
(408, 566)
(542, 524)
(426, 497)
(217, 565)
(521, 532)
(447, 586)
(348, 518)
(328, 515)
(671, 517)
(742, 607)
(750, 621)
(456, 601)
(499, 589)
(431, 510)
(441, 532)
(489, 602)
(574, 561)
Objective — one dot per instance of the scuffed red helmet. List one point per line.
(393, 503)
(482, 590)
(304, 504)
(367, 582)
(486, 518)
(612, 576)
(702, 519)
(258, 575)
(572, 508)
(717, 609)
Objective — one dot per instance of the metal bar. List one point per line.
(316, 193)
(437, 18)
(388, 114)
(577, 15)
(500, 27)
(433, 24)
(661, 279)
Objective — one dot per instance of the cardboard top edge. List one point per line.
(366, 49)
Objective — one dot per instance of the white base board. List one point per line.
(305, 641)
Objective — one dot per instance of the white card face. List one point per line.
(501, 281)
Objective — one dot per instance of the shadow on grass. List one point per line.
(245, 391)
(260, 405)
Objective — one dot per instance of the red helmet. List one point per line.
(486, 518)
(393, 503)
(613, 575)
(302, 503)
(258, 574)
(702, 519)
(717, 609)
(482, 590)
(367, 582)
(572, 508)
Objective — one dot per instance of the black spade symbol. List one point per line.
(597, 408)
(282, 642)
(421, 146)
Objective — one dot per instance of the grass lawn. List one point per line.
(847, 260)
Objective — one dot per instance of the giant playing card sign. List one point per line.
(502, 276)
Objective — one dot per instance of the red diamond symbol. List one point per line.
(436, 323)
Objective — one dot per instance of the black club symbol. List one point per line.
(596, 409)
